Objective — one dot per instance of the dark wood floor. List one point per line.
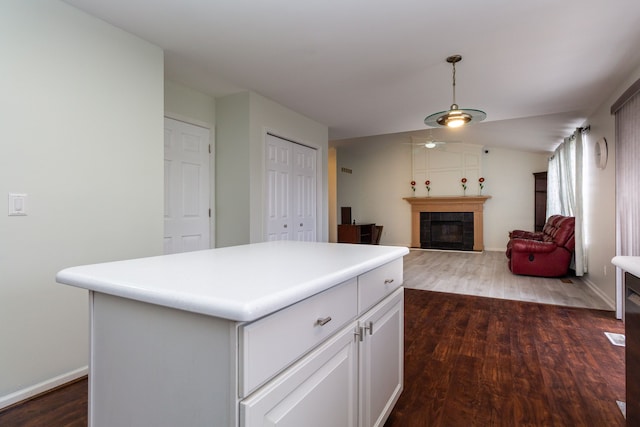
(469, 361)
(64, 407)
(474, 361)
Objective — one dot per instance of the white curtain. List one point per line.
(564, 191)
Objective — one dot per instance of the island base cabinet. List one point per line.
(310, 334)
(381, 360)
(154, 366)
(354, 379)
(318, 391)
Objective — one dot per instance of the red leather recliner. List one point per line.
(547, 253)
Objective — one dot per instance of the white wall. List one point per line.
(379, 179)
(232, 170)
(189, 105)
(509, 182)
(600, 198)
(81, 108)
(242, 122)
(381, 176)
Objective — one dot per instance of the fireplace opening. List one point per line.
(446, 230)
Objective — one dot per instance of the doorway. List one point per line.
(187, 212)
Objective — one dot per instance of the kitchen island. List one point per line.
(276, 333)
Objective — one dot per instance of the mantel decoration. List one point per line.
(413, 186)
(455, 116)
(463, 182)
(427, 184)
(481, 185)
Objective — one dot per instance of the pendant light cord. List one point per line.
(454, 83)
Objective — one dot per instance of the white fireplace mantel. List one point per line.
(473, 204)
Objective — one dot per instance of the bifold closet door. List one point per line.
(290, 190)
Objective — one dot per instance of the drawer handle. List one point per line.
(387, 281)
(323, 321)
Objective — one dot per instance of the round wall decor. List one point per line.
(601, 153)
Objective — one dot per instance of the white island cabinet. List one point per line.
(268, 334)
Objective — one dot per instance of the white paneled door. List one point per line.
(290, 190)
(186, 187)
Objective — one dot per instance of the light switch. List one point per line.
(17, 204)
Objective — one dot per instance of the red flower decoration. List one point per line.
(427, 182)
(481, 179)
(464, 180)
(413, 183)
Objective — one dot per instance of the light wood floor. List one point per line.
(486, 274)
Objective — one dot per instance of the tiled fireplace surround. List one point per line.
(473, 204)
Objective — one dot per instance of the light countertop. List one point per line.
(240, 283)
(628, 263)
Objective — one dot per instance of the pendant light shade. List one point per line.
(455, 116)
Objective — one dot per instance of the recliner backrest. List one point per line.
(562, 232)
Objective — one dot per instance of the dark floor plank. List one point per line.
(497, 362)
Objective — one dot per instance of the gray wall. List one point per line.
(81, 108)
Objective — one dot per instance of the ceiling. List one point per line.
(538, 68)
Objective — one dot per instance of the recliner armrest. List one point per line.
(532, 246)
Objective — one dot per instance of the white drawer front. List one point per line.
(269, 345)
(320, 390)
(376, 284)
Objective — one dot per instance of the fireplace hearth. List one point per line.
(446, 230)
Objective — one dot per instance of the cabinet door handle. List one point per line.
(387, 281)
(285, 226)
(369, 328)
(359, 333)
(323, 321)
(300, 224)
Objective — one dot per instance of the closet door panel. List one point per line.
(304, 194)
(291, 196)
(278, 188)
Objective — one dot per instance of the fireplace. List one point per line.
(446, 230)
(471, 205)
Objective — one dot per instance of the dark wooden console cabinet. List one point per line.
(356, 233)
(540, 194)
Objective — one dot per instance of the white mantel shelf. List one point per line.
(473, 204)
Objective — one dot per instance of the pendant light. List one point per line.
(455, 116)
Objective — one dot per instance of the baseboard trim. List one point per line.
(36, 389)
(599, 292)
